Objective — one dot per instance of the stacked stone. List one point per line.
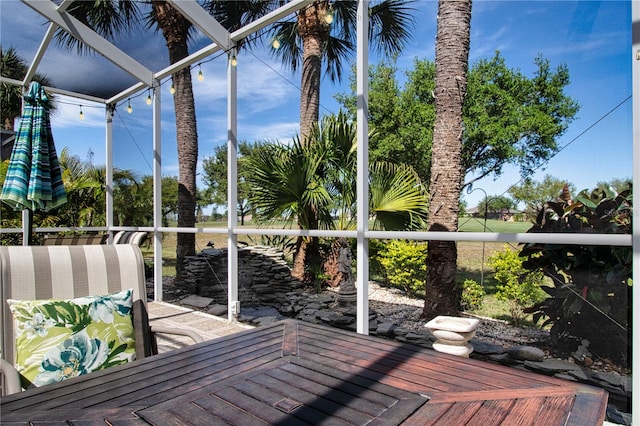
(263, 278)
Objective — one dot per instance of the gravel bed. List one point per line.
(394, 305)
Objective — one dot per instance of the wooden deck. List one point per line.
(299, 373)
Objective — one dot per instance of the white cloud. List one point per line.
(281, 131)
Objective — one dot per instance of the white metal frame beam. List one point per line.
(86, 35)
(57, 91)
(199, 17)
(362, 180)
(44, 44)
(233, 302)
(214, 47)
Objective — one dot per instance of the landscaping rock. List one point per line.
(484, 348)
(196, 301)
(552, 366)
(386, 329)
(526, 353)
(218, 310)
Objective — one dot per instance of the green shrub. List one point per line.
(519, 287)
(472, 295)
(376, 271)
(404, 265)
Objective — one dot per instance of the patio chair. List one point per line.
(69, 272)
(130, 237)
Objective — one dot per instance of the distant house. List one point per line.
(7, 137)
(503, 214)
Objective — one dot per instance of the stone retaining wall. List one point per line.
(263, 278)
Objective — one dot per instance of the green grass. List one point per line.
(473, 224)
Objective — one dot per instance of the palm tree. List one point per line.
(108, 17)
(305, 183)
(86, 193)
(325, 32)
(452, 59)
(13, 66)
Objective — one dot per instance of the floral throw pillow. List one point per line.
(59, 339)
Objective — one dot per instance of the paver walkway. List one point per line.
(206, 325)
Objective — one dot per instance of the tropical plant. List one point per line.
(591, 292)
(287, 185)
(13, 66)
(452, 58)
(310, 184)
(324, 33)
(86, 189)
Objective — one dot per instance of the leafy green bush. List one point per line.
(472, 295)
(516, 285)
(404, 265)
(590, 297)
(376, 270)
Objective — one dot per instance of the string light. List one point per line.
(148, 99)
(81, 113)
(234, 61)
(328, 18)
(173, 89)
(129, 108)
(276, 43)
(200, 75)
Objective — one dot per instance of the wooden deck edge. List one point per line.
(582, 391)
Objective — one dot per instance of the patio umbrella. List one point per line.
(34, 178)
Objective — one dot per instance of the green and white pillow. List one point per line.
(59, 339)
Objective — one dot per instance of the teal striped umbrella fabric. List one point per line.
(34, 177)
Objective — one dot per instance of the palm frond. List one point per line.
(398, 199)
(391, 25)
(106, 17)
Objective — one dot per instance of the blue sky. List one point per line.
(592, 38)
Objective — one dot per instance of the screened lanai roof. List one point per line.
(117, 67)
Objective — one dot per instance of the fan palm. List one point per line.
(324, 32)
(86, 191)
(13, 66)
(304, 183)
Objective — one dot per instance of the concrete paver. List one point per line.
(206, 325)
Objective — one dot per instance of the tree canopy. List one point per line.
(509, 118)
(215, 177)
(535, 194)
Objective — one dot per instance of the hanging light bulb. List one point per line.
(276, 43)
(129, 108)
(200, 75)
(81, 113)
(148, 101)
(328, 18)
(234, 61)
(173, 89)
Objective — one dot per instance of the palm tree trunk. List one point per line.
(314, 31)
(175, 30)
(452, 58)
